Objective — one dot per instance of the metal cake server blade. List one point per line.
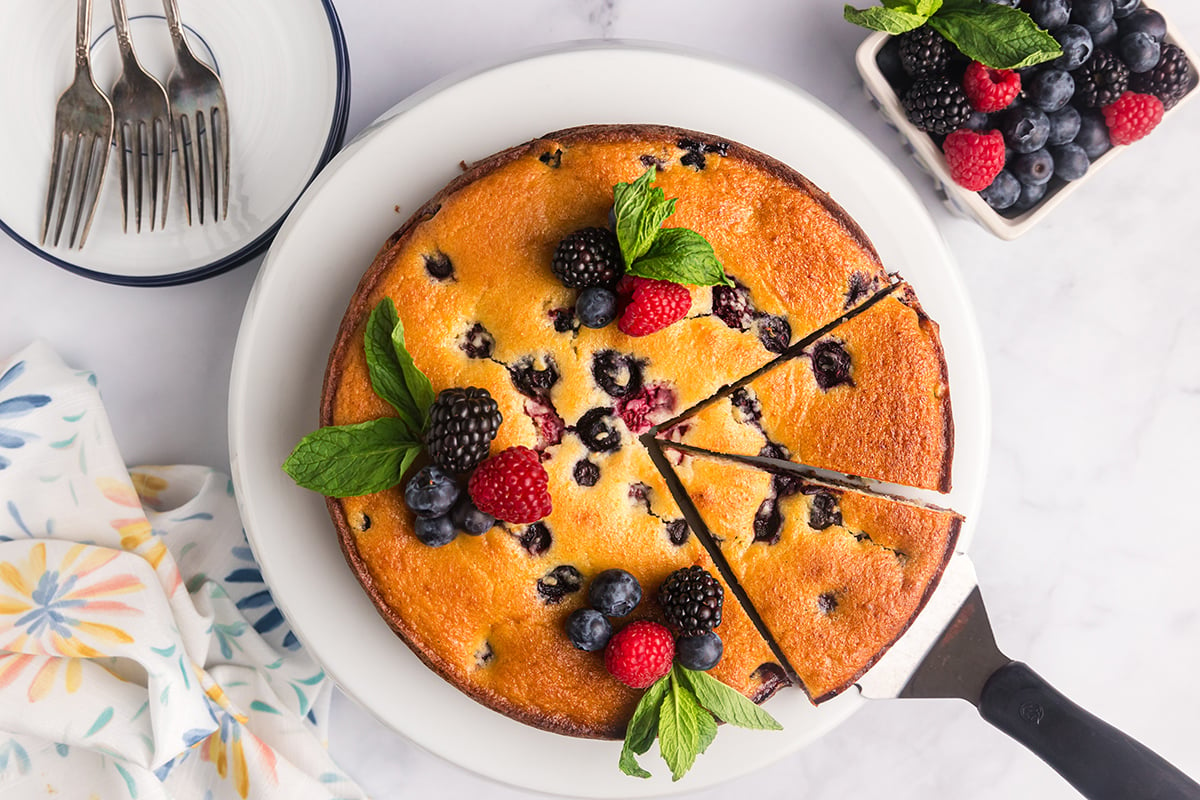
(950, 651)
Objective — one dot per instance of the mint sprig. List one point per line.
(997, 36)
(681, 709)
(368, 457)
(679, 255)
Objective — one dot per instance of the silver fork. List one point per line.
(83, 126)
(200, 122)
(142, 128)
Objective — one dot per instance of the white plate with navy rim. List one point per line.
(330, 238)
(286, 75)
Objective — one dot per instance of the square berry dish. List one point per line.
(1057, 122)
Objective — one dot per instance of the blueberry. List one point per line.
(596, 307)
(586, 473)
(978, 121)
(677, 531)
(1140, 51)
(597, 431)
(1064, 124)
(1093, 134)
(768, 522)
(1009, 3)
(831, 365)
(1026, 128)
(558, 583)
(477, 342)
(434, 531)
(1076, 43)
(431, 492)
(614, 593)
(1051, 89)
(469, 519)
(588, 630)
(1123, 8)
(1050, 14)
(699, 653)
(731, 305)
(439, 266)
(1070, 162)
(1031, 194)
(536, 538)
(1034, 168)
(824, 510)
(1106, 35)
(531, 381)
(618, 374)
(1003, 192)
(1145, 21)
(774, 333)
(1092, 14)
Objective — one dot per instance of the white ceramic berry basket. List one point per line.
(926, 152)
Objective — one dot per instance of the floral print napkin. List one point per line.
(141, 654)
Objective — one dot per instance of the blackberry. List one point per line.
(937, 105)
(691, 599)
(731, 305)
(924, 53)
(462, 424)
(831, 365)
(824, 511)
(588, 257)
(1168, 81)
(1101, 79)
(477, 342)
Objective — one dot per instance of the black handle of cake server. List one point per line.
(1097, 759)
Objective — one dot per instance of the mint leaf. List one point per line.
(708, 731)
(353, 460)
(679, 728)
(387, 373)
(727, 703)
(419, 387)
(640, 210)
(681, 255)
(928, 8)
(997, 36)
(643, 729)
(888, 20)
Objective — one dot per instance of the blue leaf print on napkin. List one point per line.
(19, 406)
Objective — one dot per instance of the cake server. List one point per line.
(950, 651)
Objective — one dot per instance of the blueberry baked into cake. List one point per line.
(521, 346)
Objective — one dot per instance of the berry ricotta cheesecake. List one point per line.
(500, 375)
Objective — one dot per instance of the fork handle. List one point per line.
(121, 24)
(176, 28)
(83, 35)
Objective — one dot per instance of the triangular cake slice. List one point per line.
(870, 398)
(835, 574)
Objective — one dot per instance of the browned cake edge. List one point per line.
(358, 311)
(907, 296)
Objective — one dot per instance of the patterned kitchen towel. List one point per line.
(141, 655)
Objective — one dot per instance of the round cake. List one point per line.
(470, 275)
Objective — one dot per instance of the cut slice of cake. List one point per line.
(871, 398)
(836, 575)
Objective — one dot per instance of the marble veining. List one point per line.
(1087, 542)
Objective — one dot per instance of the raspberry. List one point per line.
(651, 305)
(974, 159)
(1168, 80)
(462, 424)
(640, 653)
(692, 599)
(1101, 79)
(512, 485)
(990, 89)
(588, 257)
(937, 105)
(1132, 116)
(924, 53)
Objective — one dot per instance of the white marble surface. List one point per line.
(1086, 544)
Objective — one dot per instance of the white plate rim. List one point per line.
(333, 143)
(322, 637)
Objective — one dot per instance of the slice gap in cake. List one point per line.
(833, 575)
(792, 351)
(867, 396)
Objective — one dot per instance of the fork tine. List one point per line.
(219, 137)
(122, 144)
(183, 143)
(91, 186)
(139, 170)
(156, 154)
(201, 137)
(85, 177)
(65, 197)
(55, 166)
